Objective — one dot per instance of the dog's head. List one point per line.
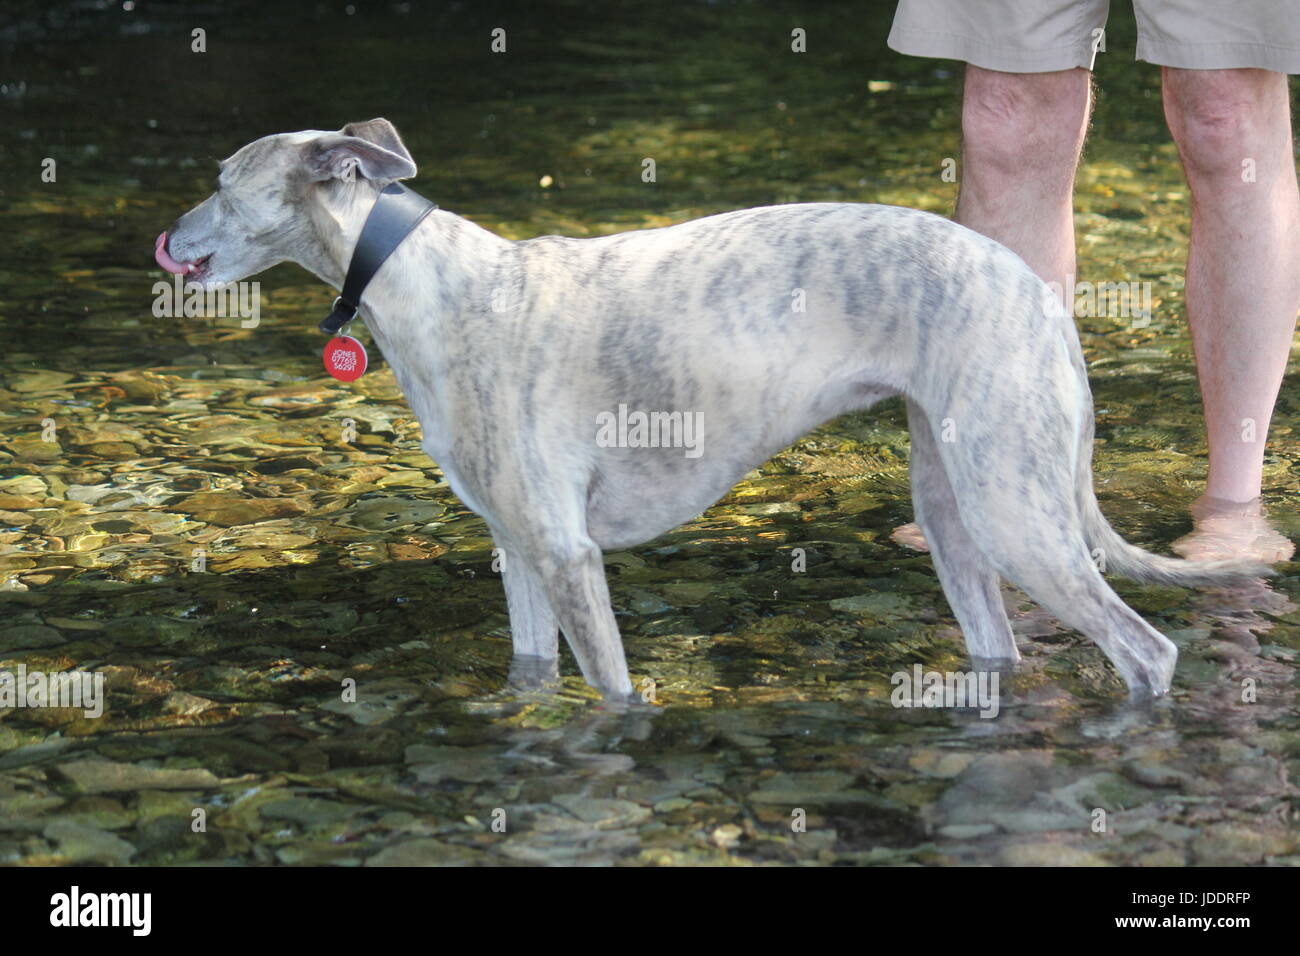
(274, 197)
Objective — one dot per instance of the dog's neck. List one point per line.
(443, 260)
(336, 212)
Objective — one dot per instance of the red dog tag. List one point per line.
(345, 358)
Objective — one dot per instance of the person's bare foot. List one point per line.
(911, 536)
(1232, 529)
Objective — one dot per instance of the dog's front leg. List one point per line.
(533, 627)
(574, 577)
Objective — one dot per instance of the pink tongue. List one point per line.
(161, 256)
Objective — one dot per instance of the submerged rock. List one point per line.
(82, 843)
(106, 776)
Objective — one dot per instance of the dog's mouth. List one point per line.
(195, 268)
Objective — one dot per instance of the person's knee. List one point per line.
(1219, 118)
(1018, 123)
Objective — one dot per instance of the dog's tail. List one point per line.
(1116, 554)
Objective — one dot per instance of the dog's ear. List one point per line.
(339, 156)
(380, 132)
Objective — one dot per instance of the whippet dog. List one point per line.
(589, 394)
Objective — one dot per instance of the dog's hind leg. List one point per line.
(1014, 483)
(969, 581)
(1070, 587)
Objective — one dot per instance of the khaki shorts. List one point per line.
(1035, 36)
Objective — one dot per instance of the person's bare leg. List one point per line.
(1233, 130)
(1022, 134)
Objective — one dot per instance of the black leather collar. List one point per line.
(396, 212)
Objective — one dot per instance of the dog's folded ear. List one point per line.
(380, 132)
(372, 148)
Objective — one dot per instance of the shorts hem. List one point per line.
(1219, 56)
(952, 46)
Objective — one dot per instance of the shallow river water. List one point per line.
(771, 738)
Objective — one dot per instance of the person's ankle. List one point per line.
(1208, 505)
